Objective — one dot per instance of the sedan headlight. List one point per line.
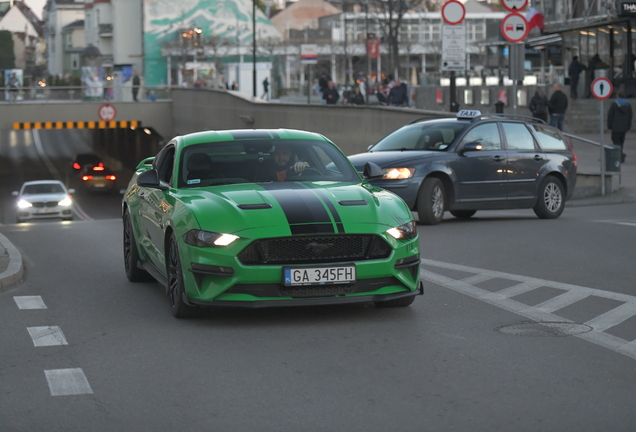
(24, 204)
(406, 231)
(397, 173)
(202, 238)
(65, 202)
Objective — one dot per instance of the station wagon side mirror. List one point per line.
(471, 146)
(370, 147)
(150, 179)
(371, 170)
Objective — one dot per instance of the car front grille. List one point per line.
(318, 291)
(45, 204)
(314, 249)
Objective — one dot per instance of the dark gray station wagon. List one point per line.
(474, 162)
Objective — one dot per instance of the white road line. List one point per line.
(617, 222)
(29, 302)
(47, 336)
(478, 278)
(64, 382)
(546, 310)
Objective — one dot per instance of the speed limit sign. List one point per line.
(107, 112)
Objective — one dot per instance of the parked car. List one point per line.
(98, 179)
(215, 221)
(475, 162)
(44, 199)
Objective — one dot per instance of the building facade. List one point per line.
(57, 14)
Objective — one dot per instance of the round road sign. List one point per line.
(514, 27)
(107, 112)
(514, 5)
(453, 12)
(601, 88)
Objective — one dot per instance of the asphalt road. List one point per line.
(100, 353)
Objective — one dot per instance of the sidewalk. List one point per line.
(12, 270)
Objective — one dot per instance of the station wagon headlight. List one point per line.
(65, 202)
(397, 173)
(202, 238)
(406, 231)
(24, 204)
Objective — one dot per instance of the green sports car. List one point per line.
(252, 218)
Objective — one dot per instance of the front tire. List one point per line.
(430, 202)
(551, 202)
(176, 286)
(131, 255)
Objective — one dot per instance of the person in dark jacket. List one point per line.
(619, 120)
(558, 104)
(398, 95)
(539, 105)
(574, 71)
(330, 95)
(357, 98)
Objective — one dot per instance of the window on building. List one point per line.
(75, 61)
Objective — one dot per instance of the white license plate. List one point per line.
(319, 275)
(46, 210)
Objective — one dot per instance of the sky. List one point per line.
(36, 6)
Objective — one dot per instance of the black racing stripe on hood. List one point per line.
(312, 229)
(301, 206)
(330, 206)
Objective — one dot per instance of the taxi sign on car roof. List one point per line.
(468, 114)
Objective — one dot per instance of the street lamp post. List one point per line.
(254, 48)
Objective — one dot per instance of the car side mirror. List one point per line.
(370, 147)
(149, 179)
(371, 170)
(15, 193)
(472, 146)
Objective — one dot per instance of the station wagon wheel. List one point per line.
(550, 202)
(430, 202)
(176, 287)
(463, 214)
(131, 255)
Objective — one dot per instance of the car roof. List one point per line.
(36, 182)
(248, 134)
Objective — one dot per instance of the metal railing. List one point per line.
(601, 157)
(82, 93)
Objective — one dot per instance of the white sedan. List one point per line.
(44, 199)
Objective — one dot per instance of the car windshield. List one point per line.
(436, 136)
(257, 161)
(44, 188)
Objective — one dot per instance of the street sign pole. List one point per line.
(602, 150)
(453, 14)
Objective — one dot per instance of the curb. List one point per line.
(15, 270)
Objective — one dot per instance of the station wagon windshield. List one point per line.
(435, 136)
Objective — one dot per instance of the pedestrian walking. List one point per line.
(14, 87)
(135, 85)
(265, 94)
(539, 105)
(557, 105)
(330, 95)
(619, 121)
(398, 95)
(323, 83)
(574, 71)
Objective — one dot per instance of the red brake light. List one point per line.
(576, 160)
(101, 164)
(76, 165)
(111, 177)
(87, 178)
(98, 168)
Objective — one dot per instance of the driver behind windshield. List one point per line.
(282, 164)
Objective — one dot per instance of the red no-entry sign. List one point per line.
(453, 12)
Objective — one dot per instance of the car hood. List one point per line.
(44, 197)
(389, 159)
(295, 208)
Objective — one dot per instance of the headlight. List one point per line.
(397, 173)
(65, 202)
(406, 231)
(24, 204)
(202, 238)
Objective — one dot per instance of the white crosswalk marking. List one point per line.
(64, 382)
(29, 302)
(47, 336)
(546, 311)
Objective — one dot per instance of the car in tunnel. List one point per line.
(98, 179)
(475, 162)
(43, 199)
(82, 160)
(258, 218)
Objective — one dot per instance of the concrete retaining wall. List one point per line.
(352, 128)
(156, 114)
